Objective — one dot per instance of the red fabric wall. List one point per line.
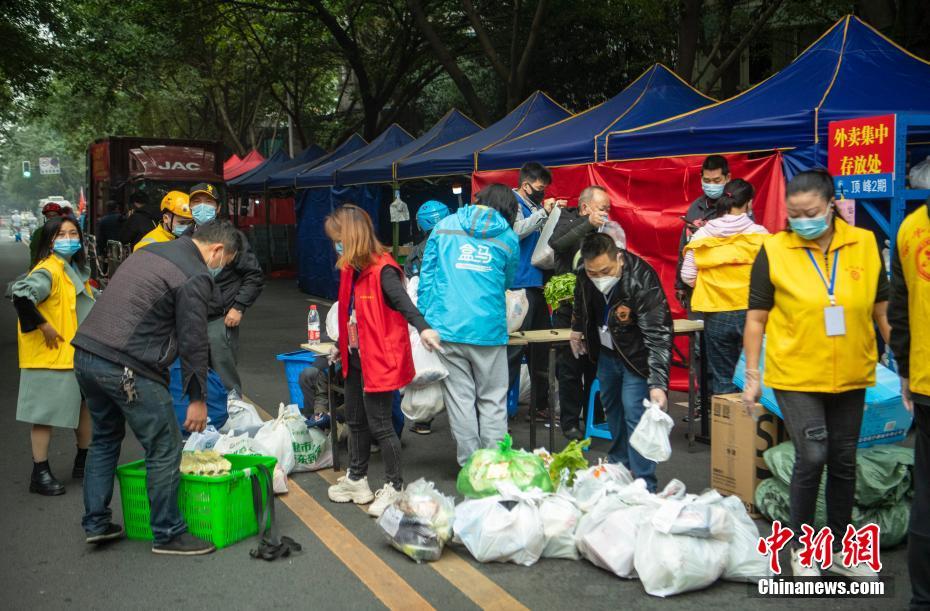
(282, 213)
(650, 196)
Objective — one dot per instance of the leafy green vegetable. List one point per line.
(559, 288)
(571, 458)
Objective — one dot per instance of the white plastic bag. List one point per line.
(672, 564)
(611, 545)
(332, 322)
(422, 404)
(594, 483)
(560, 517)
(242, 415)
(502, 528)
(241, 445)
(920, 175)
(275, 437)
(517, 306)
(650, 437)
(307, 446)
(526, 384)
(202, 441)
(428, 366)
(693, 519)
(543, 256)
(419, 523)
(744, 562)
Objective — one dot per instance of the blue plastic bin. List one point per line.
(294, 363)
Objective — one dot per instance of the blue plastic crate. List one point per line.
(294, 363)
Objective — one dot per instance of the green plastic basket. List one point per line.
(218, 509)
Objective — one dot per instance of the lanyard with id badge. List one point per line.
(603, 331)
(834, 316)
(352, 326)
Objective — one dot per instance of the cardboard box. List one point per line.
(737, 443)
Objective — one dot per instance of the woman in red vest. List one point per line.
(374, 343)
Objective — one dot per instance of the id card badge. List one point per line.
(352, 329)
(606, 340)
(835, 319)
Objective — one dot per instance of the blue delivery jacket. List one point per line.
(528, 275)
(469, 262)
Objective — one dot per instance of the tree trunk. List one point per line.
(227, 124)
(688, 30)
(735, 53)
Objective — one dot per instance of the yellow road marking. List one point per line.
(484, 592)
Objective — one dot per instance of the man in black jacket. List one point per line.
(622, 321)
(575, 375)
(141, 220)
(237, 288)
(154, 310)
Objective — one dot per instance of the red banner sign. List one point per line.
(862, 146)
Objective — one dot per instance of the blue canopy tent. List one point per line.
(537, 111)
(317, 196)
(658, 93)
(452, 127)
(285, 178)
(254, 180)
(850, 71)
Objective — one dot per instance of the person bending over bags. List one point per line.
(374, 344)
(622, 321)
(51, 302)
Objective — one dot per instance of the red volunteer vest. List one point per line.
(383, 337)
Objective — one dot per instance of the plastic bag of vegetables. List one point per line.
(419, 523)
(487, 468)
(559, 289)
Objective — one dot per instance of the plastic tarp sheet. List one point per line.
(656, 94)
(850, 71)
(273, 163)
(452, 127)
(536, 112)
(324, 174)
(286, 177)
(249, 162)
(648, 199)
(316, 259)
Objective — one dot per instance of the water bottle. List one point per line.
(313, 325)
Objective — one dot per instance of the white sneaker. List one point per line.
(384, 498)
(802, 571)
(345, 490)
(862, 571)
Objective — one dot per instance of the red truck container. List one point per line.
(119, 166)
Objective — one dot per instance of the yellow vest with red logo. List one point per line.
(59, 310)
(799, 355)
(159, 234)
(724, 266)
(914, 250)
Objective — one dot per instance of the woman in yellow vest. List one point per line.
(817, 291)
(909, 314)
(51, 302)
(717, 263)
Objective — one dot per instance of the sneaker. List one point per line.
(384, 498)
(345, 490)
(697, 418)
(862, 571)
(421, 428)
(184, 544)
(802, 571)
(111, 532)
(572, 433)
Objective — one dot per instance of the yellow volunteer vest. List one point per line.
(724, 266)
(159, 234)
(59, 310)
(798, 354)
(914, 250)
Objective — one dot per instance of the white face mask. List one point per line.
(606, 284)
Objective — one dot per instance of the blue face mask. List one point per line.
(810, 228)
(711, 190)
(215, 271)
(203, 213)
(338, 247)
(66, 247)
(179, 230)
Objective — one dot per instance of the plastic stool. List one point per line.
(599, 430)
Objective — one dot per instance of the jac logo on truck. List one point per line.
(179, 165)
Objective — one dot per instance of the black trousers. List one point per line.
(368, 415)
(575, 375)
(537, 317)
(918, 544)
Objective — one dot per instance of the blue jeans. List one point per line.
(723, 333)
(152, 419)
(622, 394)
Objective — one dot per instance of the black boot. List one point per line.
(77, 472)
(43, 482)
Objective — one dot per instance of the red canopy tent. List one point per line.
(250, 161)
(233, 160)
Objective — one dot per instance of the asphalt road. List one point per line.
(345, 563)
